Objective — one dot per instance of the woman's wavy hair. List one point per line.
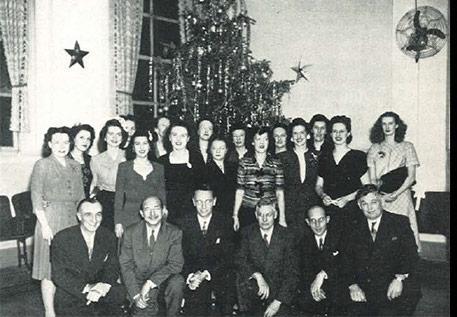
(46, 150)
(344, 120)
(377, 134)
(178, 123)
(74, 130)
(111, 123)
(130, 151)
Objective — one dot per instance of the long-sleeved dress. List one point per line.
(132, 189)
(384, 157)
(57, 190)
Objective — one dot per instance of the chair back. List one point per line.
(22, 204)
(5, 210)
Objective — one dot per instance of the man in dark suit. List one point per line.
(300, 173)
(151, 261)
(85, 266)
(208, 253)
(381, 263)
(320, 261)
(267, 265)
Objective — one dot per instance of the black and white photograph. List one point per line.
(225, 158)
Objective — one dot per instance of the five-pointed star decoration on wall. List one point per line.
(300, 70)
(76, 55)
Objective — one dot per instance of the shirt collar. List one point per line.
(376, 221)
(156, 231)
(88, 238)
(268, 232)
(201, 220)
(323, 236)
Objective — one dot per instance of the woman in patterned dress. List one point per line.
(389, 152)
(83, 136)
(57, 187)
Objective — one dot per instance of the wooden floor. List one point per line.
(20, 295)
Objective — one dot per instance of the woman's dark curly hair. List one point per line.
(377, 134)
(347, 123)
(111, 123)
(74, 130)
(178, 123)
(130, 151)
(46, 150)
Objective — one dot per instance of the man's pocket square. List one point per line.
(218, 240)
(335, 253)
(394, 238)
(106, 257)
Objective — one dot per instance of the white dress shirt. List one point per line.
(302, 162)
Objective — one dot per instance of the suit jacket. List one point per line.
(71, 268)
(212, 252)
(139, 263)
(373, 265)
(223, 184)
(299, 196)
(277, 263)
(313, 260)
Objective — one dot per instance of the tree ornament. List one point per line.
(300, 71)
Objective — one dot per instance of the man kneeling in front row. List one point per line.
(151, 261)
(267, 265)
(85, 266)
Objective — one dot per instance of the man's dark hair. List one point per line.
(204, 187)
(314, 207)
(91, 200)
(365, 190)
(265, 202)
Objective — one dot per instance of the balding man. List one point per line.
(320, 256)
(85, 266)
(151, 261)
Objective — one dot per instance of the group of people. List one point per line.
(267, 220)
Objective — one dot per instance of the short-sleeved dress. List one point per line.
(180, 183)
(57, 190)
(343, 179)
(132, 189)
(386, 157)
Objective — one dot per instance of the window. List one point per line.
(6, 136)
(160, 31)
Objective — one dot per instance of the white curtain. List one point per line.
(14, 24)
(126, 21)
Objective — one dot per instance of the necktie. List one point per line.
(265, 239)
(90, 253)
(204, 229)
(373, 231)
(321, 244)
(152, 240)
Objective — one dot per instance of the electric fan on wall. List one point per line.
(421, 32)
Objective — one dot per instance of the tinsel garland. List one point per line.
(213, 73)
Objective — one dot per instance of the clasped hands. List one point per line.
(141, 299)
(339, 202)
(194, 279)
(95, 291)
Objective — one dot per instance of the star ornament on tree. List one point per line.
(76, 55)
(300, 70)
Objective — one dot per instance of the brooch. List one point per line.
(381, 154)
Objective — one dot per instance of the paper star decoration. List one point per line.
(300, 70)
(76, 55)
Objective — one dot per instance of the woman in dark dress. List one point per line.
(83, 136)
(221, 174)
(182, 172)
(341, 174)
(137, 178)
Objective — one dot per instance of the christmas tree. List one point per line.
(213, 73)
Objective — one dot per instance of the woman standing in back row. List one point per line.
(388, 155)
(56, 187)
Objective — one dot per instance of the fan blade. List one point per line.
(416, 20)
(436, 32)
